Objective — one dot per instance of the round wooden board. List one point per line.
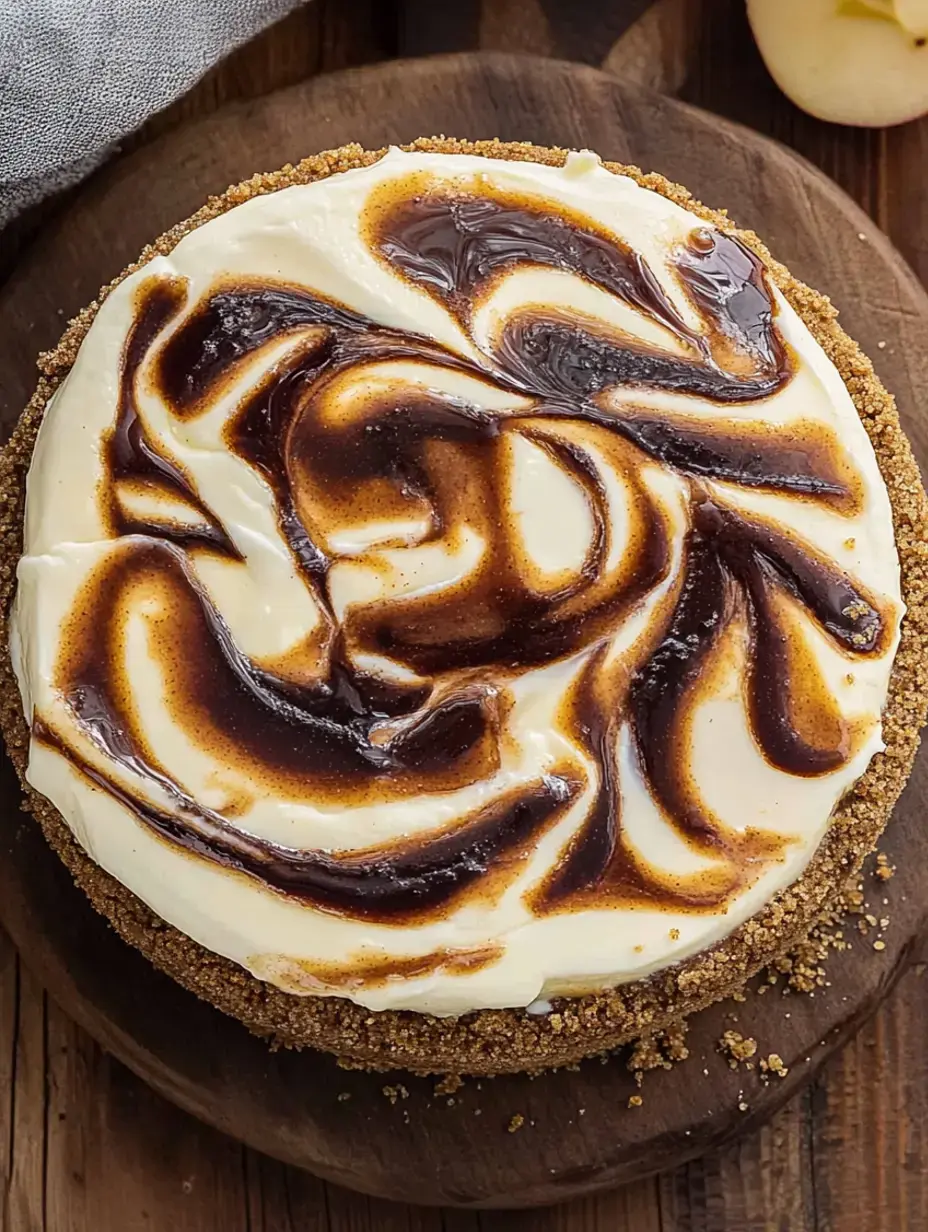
(579, 1134)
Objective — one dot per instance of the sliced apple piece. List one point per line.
(862, 62)
(912, 15)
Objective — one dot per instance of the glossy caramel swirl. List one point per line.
(437, 620)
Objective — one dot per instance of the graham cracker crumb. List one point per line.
(658, 1051)
(737, 1048)
(449, 1084)
(884, 871)
(516, 1123)
(774, 1065)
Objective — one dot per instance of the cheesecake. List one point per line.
(469, 605)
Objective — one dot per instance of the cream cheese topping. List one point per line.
(452, 584)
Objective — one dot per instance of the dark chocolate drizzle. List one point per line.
(391, 885)
(132, 456)
(454, 245)
(351, 736)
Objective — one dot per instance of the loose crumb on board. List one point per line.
(737, 1048)
(395, 1093)
(449, 1084)
(773, 1065)
(660, 1051)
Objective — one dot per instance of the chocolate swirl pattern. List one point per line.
(476, 578)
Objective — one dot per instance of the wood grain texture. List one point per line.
(763, 1181)
(869, 1121)
(848, 1155)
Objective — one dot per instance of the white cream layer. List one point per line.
(310, 235)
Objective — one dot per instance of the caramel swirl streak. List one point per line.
(318, 738)
(456, 245)
(132, 455)
(393, 887)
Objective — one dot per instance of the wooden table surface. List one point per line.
(84, 1145)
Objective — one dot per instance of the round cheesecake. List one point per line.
(470, 605)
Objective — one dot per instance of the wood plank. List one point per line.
(430, 28)
(357, 32)
(764, 1181)
(633, 1208)
(903, 196)
(460, 1221)
(282, 1199)
(9, 1016)
(122, 1160)
(24, 1200)
(349, 1212)
(581, 30)
(870, 1121)
(284, 53)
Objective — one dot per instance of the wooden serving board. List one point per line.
(578, 1134)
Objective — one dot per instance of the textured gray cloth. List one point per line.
(76, 75)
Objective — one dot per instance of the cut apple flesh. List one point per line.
(912, 15)
(863, 62)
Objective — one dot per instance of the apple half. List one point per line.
(861, 62)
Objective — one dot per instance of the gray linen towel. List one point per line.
(76, 75)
